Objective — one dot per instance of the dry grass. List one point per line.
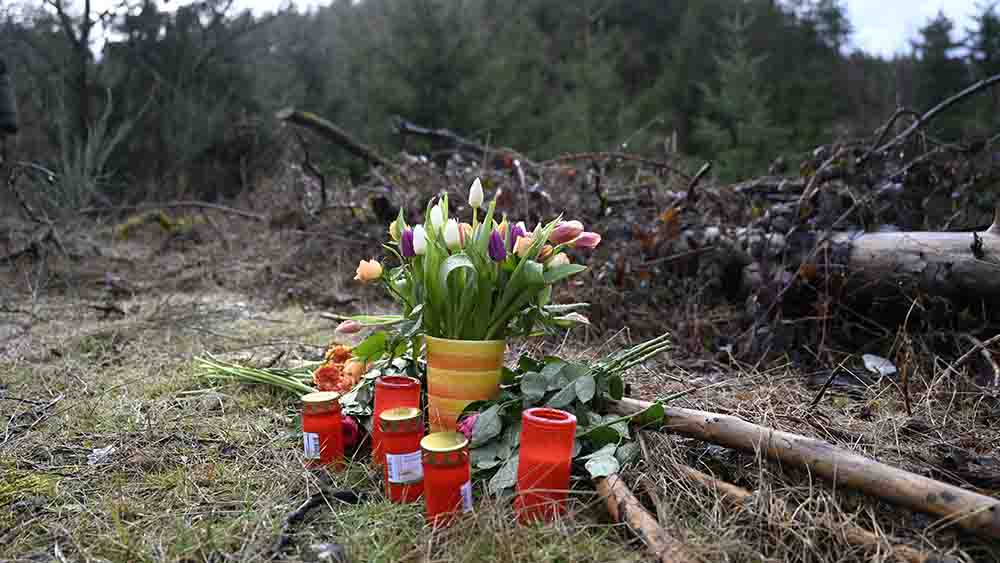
(200, 474)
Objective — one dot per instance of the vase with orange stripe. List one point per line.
(458, 373)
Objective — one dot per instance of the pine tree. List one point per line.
(984, 54)
(737, 127)
(940, 73)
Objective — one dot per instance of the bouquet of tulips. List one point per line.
(478, 280)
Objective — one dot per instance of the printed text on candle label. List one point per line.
(311, 442)
(404, 468)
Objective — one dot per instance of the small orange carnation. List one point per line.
(338, 354)
(327, 377)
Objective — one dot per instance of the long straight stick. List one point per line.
(971, 511)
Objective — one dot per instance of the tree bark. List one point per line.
(624, 507)
(971, 511)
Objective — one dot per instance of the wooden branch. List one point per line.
(448, 137)
(624, 507)
(971, 511)
(335, 134)
(941, 108)
(174, 204)
(737, 496)
(945, 263)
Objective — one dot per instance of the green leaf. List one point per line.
(485, 457)
(557, 273)
(526, 363)
(552, 368)
(602, 466)
(606, 450)
(562, 398)
(616, 387)
(601, 436)
(488, 426)
(506, 476)
(585, 388)
(371, 347)
(507, 377)
(533, 385)
(627, 453)
(652, 414)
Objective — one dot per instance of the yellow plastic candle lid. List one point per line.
(400, 414)
(444, 442)
(320, 397)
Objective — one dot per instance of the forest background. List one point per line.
(180, 102)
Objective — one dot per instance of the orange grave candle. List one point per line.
(402, 429)
(391, 391)
(322, 436)
(545, 461)
(447, 476)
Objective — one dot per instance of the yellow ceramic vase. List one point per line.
(458, 373)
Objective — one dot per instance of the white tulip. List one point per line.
(419, 240)
(452, 237)
(476, 194)
(437, 216)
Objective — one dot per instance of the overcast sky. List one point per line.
(884, 27)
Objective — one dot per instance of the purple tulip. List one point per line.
(497, 251)
(516, 231)
(406, 244)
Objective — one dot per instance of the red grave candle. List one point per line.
(322, 436)
(391, 391)
(402, 430)
(543, 469)
(447, 476)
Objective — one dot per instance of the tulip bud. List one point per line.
(394, 230)
(565, 232)
(465, 233)
(544, 254)
(496, 247)
(516, 232)
(406, 244)
(476, 194)
(368, 271)
(522, 245)
(587, 240)
(558, 260)
(419, 240)
(349, 327)
(502, 229)
(452, 238)
(355, 369)
(437, 216)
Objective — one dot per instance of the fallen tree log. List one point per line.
(625, 508)
(945, 263)
(737, 496)
(333, 133)
(968, 510)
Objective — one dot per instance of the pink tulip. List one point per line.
(587, 241)
(467, 424)
(565, 232)
(349, 327)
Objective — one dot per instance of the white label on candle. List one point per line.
(311, 442)
(404, 468)
(467, 496)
